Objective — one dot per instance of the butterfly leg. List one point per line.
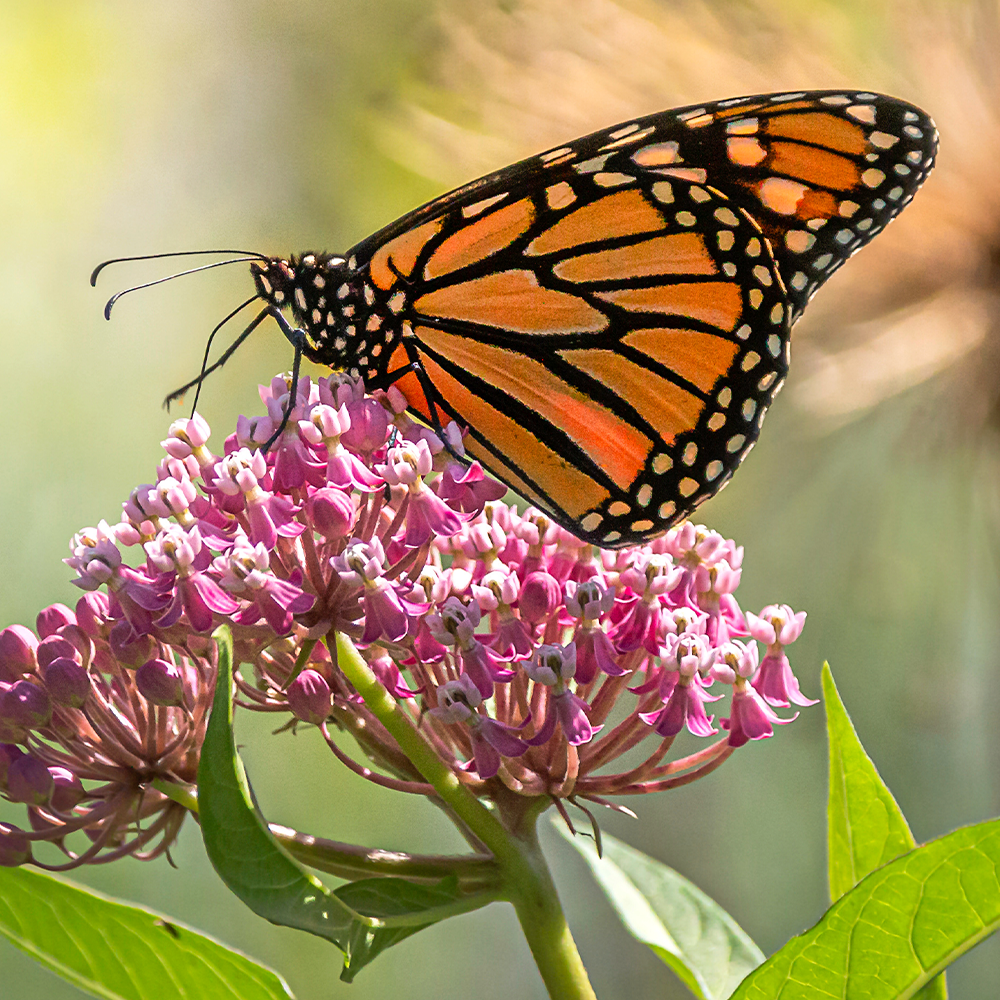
(433, 405)
(226, 355)
(297, 338)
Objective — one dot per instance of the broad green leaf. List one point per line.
(362, 918)
(123, 952)
(897, 929)
(690, 932)
(248, 859)
(390, 898)
(866, 828)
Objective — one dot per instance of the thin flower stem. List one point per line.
(414, 787)
(603, 749)
(140, 840)
(645, 787)
(371, 736)
(620, 784)
(110, 828)
(312, 558)
(94, 815)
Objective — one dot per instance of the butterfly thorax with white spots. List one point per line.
(344, 324)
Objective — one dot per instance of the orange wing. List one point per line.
(610, 319)
(613, 365)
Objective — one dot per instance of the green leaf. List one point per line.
(690, 932)
(362, 918)
(897, 929)
(123, 952)
(388, 898)
(248, 859)
(866, 828)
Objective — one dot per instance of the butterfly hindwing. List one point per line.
(613, 365)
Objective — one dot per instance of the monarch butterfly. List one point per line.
(610, 319)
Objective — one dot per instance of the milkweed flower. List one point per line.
(490, 740)
(751, 718)
(688, 657)
(552, 666)
(529, 660)
(245, 571)
(325, 427)
(777, 626)
(427, 514)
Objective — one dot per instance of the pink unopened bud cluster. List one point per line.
(94, 723)
(508, 641)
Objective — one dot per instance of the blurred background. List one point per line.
(871, 502)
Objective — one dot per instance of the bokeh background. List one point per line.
(871, 501)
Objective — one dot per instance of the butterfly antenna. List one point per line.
(179, 253)
(179, 274)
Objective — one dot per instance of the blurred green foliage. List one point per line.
(283, 126)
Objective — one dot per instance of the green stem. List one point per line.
(526, 880)
(352, 862)
(474, 872)
(434, 770)
(536, 903)
(185, 795)
(525, 876)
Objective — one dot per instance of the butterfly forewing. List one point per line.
(610, 319)
(822, 172)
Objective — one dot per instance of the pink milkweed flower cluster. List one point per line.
(529, 660)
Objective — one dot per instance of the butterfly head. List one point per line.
(296, 281)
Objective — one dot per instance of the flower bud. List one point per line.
(67, 682)
(54, 647)
(15, 848)
(540, 596)
(23, 706)
(17, 653)
(8, 754)
(29, 781)
(92, 613)
(160, 682)
(67, 791)
(331, 512)
(369, 425)
(53, 617)
(129, 649)
(80, 641)
(309, 697)
(186, 434)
